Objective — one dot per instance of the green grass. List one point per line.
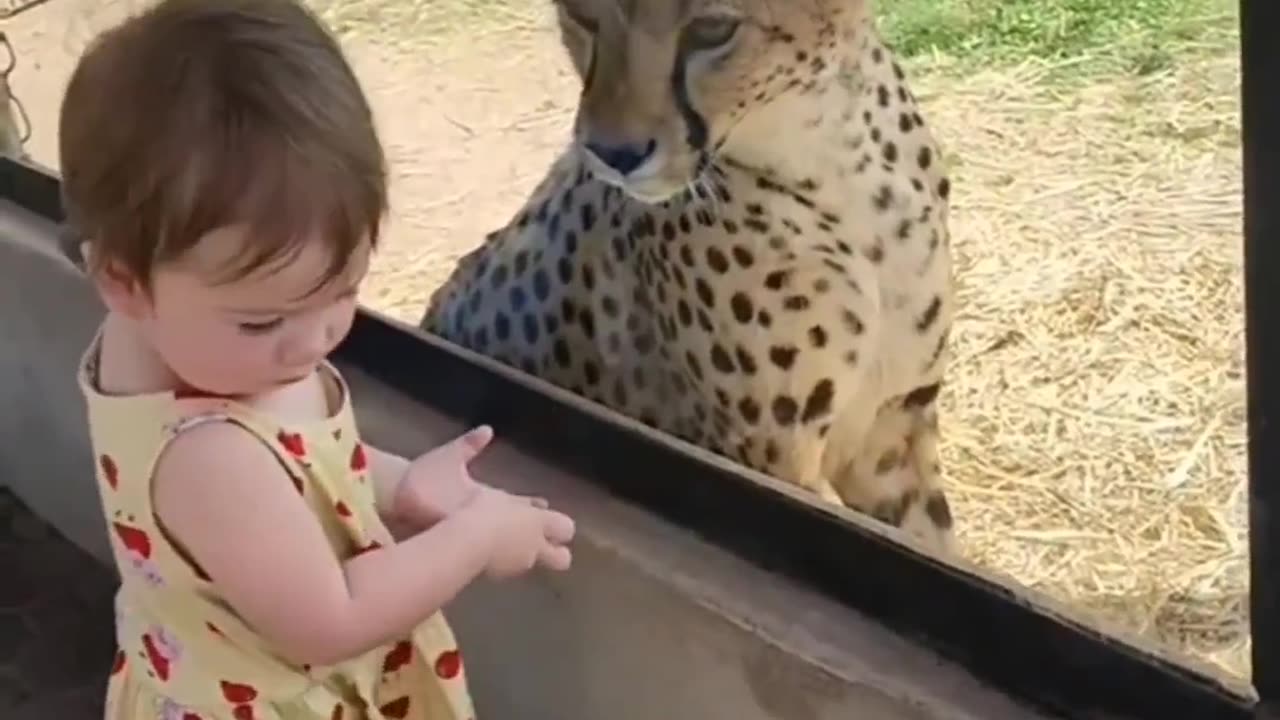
(1139, 36)
(1127, 36)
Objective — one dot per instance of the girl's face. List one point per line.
(249, 335)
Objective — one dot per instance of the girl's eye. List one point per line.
(711, 32)
(260, 328)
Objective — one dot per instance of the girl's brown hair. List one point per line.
(200, 114)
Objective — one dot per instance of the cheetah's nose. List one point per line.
(624, 158)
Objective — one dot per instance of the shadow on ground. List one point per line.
(55, 621)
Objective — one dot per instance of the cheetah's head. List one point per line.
(666, 83)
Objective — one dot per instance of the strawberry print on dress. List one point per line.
(293, 442)
(448, 664)
(398, 708)
(110, 471)
(237, 693)
(137, 550)
(162, 650)
(240, 696)
(401, 655)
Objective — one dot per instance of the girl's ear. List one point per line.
(120, 291)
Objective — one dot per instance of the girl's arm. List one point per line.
(388, 472)
(228, 501)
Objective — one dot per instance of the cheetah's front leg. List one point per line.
(896, 474)
(800, 462)
(796, 408)
(930, 516)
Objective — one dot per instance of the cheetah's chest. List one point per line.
(697, 332)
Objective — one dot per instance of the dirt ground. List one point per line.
(467, 131)
(1094, 420)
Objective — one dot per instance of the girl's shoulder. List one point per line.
(307, 428)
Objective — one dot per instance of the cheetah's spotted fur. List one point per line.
(746, 245)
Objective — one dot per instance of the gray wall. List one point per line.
(651, 624)
(48, 313)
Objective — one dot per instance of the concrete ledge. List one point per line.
(48, 313)
(652, 624)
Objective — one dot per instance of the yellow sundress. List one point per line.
(183, 653)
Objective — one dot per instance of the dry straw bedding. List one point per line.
(1094, 415)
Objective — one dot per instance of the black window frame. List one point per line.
(1004, 635)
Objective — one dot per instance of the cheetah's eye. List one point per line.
(710, 32)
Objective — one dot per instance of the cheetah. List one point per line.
(744, 244)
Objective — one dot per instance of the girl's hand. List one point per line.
(519, 532)
(438, 482)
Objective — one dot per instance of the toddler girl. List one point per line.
(221, 162)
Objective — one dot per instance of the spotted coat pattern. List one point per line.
(749, 251)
